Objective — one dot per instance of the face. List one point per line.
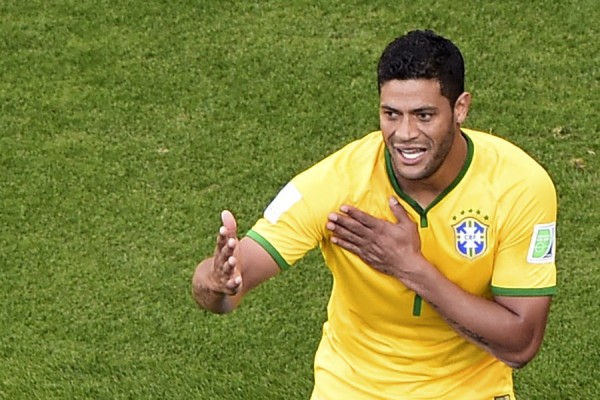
(421, 129)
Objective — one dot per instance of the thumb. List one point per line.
(397, 209)
(229, 221)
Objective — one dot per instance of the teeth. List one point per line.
(412, 153)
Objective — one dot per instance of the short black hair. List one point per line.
(423, 54)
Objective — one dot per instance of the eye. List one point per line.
(390, 115)
(425, 116)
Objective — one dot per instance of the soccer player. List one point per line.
(440, 239)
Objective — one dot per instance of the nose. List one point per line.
(407, 129)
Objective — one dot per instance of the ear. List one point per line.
(461, 107)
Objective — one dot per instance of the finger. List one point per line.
(399, 212)
(360, 216)
(226, 245)
(341, 232)
(348, 223)
(234, 283)
(229, 266)
(222, 237)
(345, 244)
(229, 222)
(224, 254)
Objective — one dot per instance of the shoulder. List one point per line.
(355, 159)
(344, 176)
(364, 148)
(505, 162)
(521, 189)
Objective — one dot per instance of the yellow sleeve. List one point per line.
(294, 222)
(525, 258)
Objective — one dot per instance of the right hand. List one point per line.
(225, 274)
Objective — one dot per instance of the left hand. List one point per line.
(388, 247)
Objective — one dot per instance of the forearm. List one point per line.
(486, 324)
(497, 329)
(208, 298)
(510, 328)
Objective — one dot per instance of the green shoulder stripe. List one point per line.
(547, 291)
(269, 248)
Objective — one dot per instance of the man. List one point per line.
(441, 243)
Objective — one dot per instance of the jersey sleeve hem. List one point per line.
(269, 248)
(516, 292)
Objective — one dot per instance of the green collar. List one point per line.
(423, 212)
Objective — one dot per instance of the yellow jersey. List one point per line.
(492, 232)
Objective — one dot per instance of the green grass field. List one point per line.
(125, 128)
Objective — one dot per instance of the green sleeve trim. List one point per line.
(269, 248)
(548, 291)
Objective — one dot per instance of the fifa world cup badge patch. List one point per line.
(470, 236)
(542, 247)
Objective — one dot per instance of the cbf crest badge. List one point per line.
(470, 236)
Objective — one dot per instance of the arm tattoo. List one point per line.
(467, 333)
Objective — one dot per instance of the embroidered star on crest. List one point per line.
(470, 232)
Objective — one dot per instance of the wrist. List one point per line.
(419, 274)
(213, 286)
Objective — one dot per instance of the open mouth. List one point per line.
(412, 154)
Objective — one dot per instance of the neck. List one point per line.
(424, 191)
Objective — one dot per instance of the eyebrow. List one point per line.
(415, 111)
(388, 108)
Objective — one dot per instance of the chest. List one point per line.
(458, 235)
